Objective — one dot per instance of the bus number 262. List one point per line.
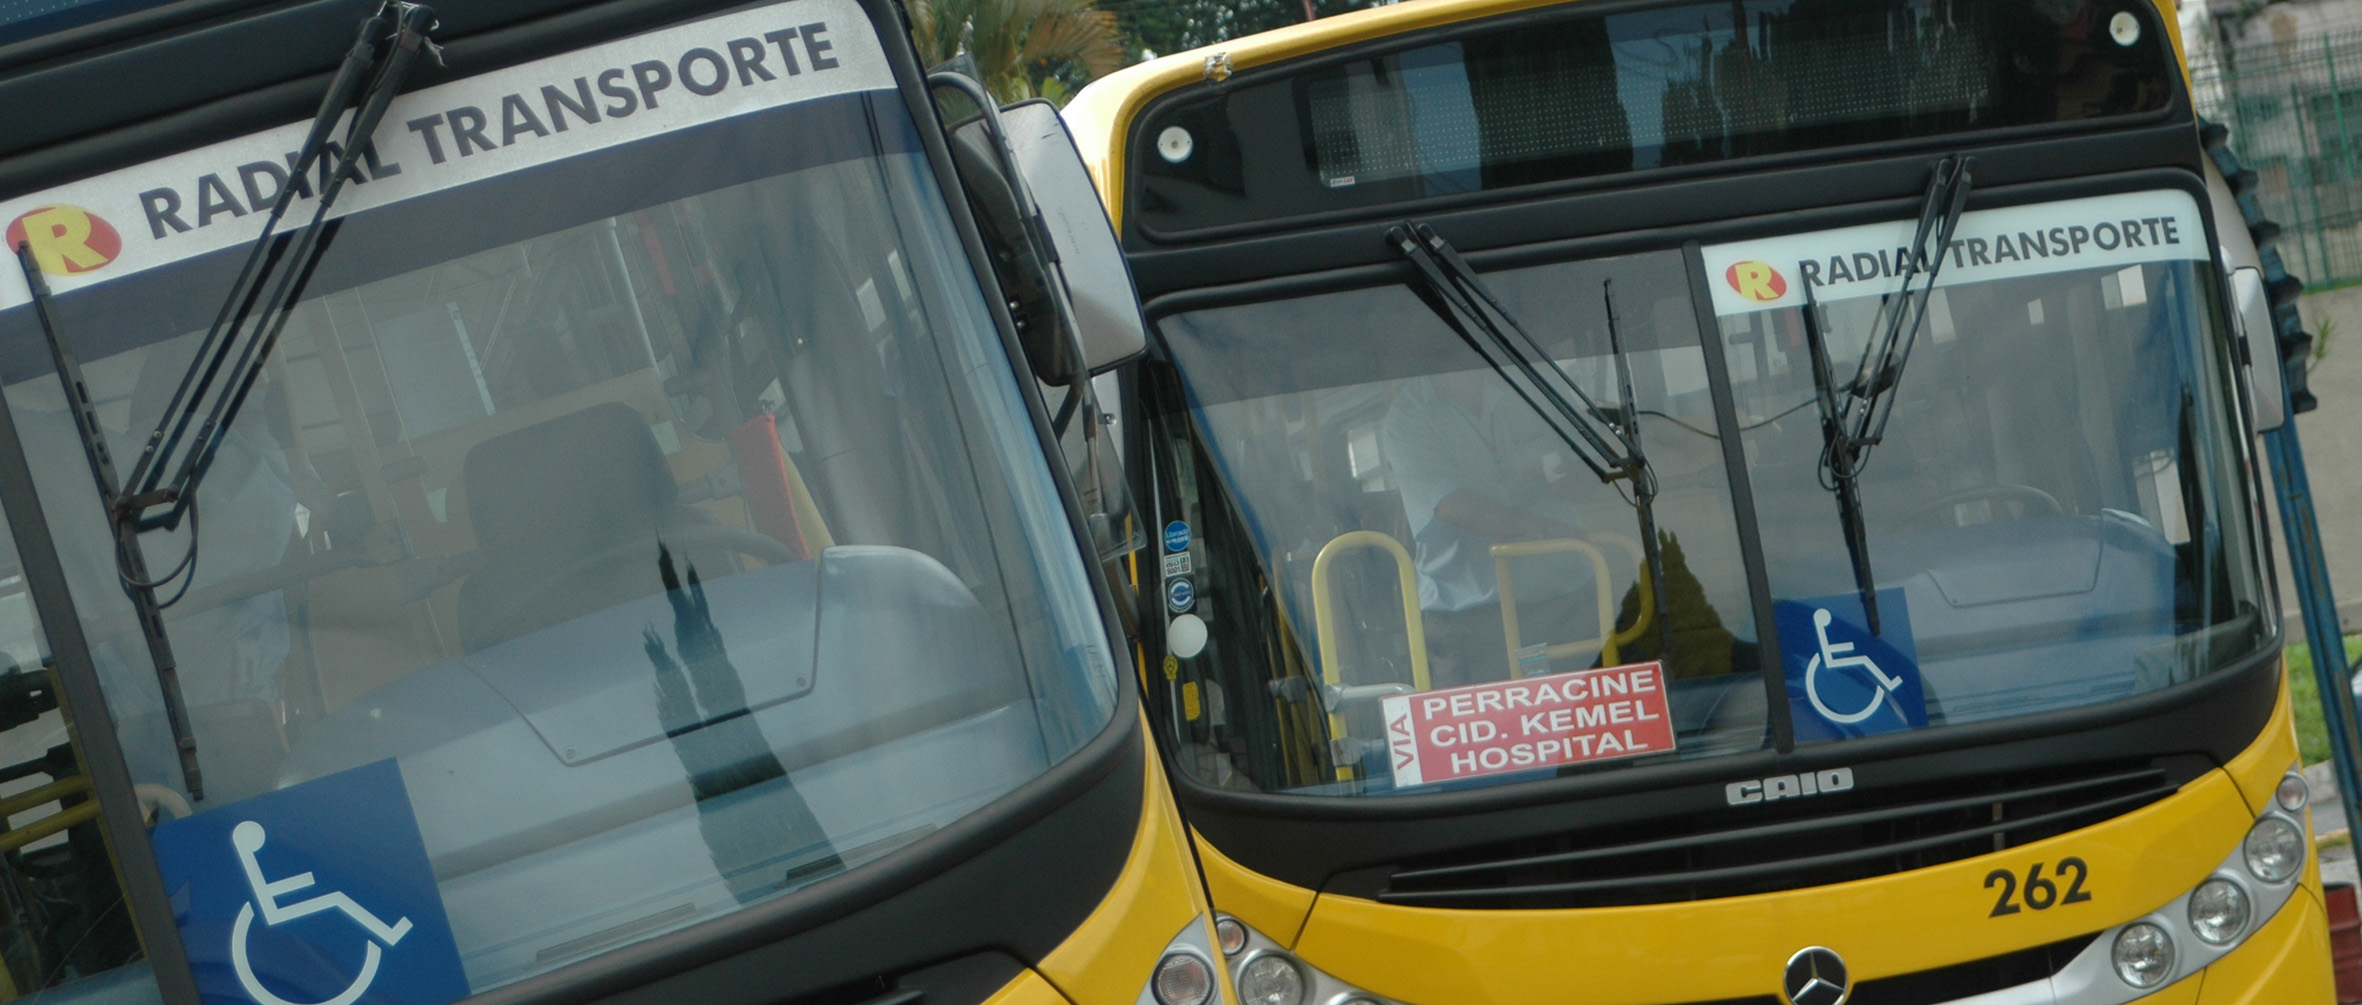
(2041, 891)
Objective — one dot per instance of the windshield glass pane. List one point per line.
(668, 514)
(2057, 515)
(1337, 446)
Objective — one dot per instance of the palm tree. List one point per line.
(1024, 48)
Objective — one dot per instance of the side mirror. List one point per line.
(1082, 240)
(2252, 308)
(1066, 283)
(1022, 259)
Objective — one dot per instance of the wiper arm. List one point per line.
(384, 53)
(1503, 343)
(1606, 440)
(1854, 415)
(388, 45)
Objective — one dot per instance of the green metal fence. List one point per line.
(2294, 106)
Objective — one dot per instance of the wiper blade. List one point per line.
(1497, 337)
(1606, 440)
(380, 60)
(1854, 415)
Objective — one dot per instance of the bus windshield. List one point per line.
(2057, 516)
(667, 512)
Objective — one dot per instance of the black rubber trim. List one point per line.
(1308, 841)
(968, 980)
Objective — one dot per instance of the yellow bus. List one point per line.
(1735, 501)
(552, 503)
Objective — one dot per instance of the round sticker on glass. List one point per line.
(1180, 596)
(1177, 536)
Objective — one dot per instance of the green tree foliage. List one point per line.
(1024, 48)
(1701, 644)
(1164, 27)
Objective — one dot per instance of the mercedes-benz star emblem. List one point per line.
(1816, 976)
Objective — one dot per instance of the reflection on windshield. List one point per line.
(2057, 501)
(702, 708)
(670, 517)
(2055, 516)
(1358, 434)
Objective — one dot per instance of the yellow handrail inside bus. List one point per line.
(1648, 595)
(76, 815)
(1609, 640)
(52, 792)
(1324, 616)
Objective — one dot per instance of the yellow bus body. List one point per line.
(1705, 951)
(1115, 950)
(1904, 923)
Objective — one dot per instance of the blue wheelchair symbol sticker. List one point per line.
(1842, 680)
(317, 894)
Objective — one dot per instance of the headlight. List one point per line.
(1263, 972)
(2275, 850)
(2218, 911)
(1232, 934)
(2226, 907)
(2293, 792)
(1271, 980)
(1182, 979)
(2143, 955)
(1185, 974)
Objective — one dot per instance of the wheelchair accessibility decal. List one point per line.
(317, 894)
(1842, 680)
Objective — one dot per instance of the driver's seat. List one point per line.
(557, 507)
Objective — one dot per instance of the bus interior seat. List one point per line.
(564, 498)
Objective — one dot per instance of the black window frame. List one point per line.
(843, 939)
(1310, 841)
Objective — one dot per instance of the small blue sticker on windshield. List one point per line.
(1177, 536)
(1180, 596)
(1842, 680)
(319, 892)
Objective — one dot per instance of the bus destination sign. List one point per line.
(1528, 723)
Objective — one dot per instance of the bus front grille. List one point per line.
(1730, 853)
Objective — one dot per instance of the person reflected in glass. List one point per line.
(1477, 468)
(747, 807)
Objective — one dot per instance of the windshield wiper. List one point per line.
(1606, 440)
(1854, 414)
(373, 71)
(384, 53)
